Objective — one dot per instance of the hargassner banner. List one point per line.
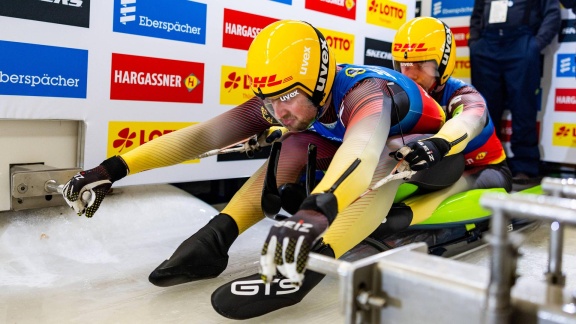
(180, 20)
(38, 70)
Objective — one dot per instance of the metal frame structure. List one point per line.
(407, 285)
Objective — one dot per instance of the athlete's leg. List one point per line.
(490, 176)
(228, 302)
(205, 254)
(245, 207)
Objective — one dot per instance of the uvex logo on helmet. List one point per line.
(325, 56)
(447, 45)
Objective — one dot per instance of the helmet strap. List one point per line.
(260, 94)
(437, 87)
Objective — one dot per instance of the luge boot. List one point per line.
(203, 255)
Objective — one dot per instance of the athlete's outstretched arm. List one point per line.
(225, 129)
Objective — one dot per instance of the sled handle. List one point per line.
(401, 171)
(52, 186)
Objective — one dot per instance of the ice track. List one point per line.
(56, 267)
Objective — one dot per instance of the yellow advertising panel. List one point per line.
(462, 68)
(564, 135)
(341, 43)
(124, 136)
(387, 14)
(234, 86)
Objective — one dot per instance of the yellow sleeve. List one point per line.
(187, 143)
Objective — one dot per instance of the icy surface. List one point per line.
(56, 267)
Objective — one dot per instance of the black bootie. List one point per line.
(250, 297)
(203, 255)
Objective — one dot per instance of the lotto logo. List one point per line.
(124, 136)
(386, 13)
(386, 9)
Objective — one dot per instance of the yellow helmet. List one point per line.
(290, 54)
(426, 39)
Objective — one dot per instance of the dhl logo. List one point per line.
(235, 85)
(234, 80)
(398, 47)
(267, 81)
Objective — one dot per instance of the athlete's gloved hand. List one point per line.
(289, 242)
(86, 190)
(271, 135)
(422, 154)
(266, 138)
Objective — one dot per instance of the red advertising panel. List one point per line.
(461, 35)
(565, 100)
(240, 28)
(341, 8)
(153, 79)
